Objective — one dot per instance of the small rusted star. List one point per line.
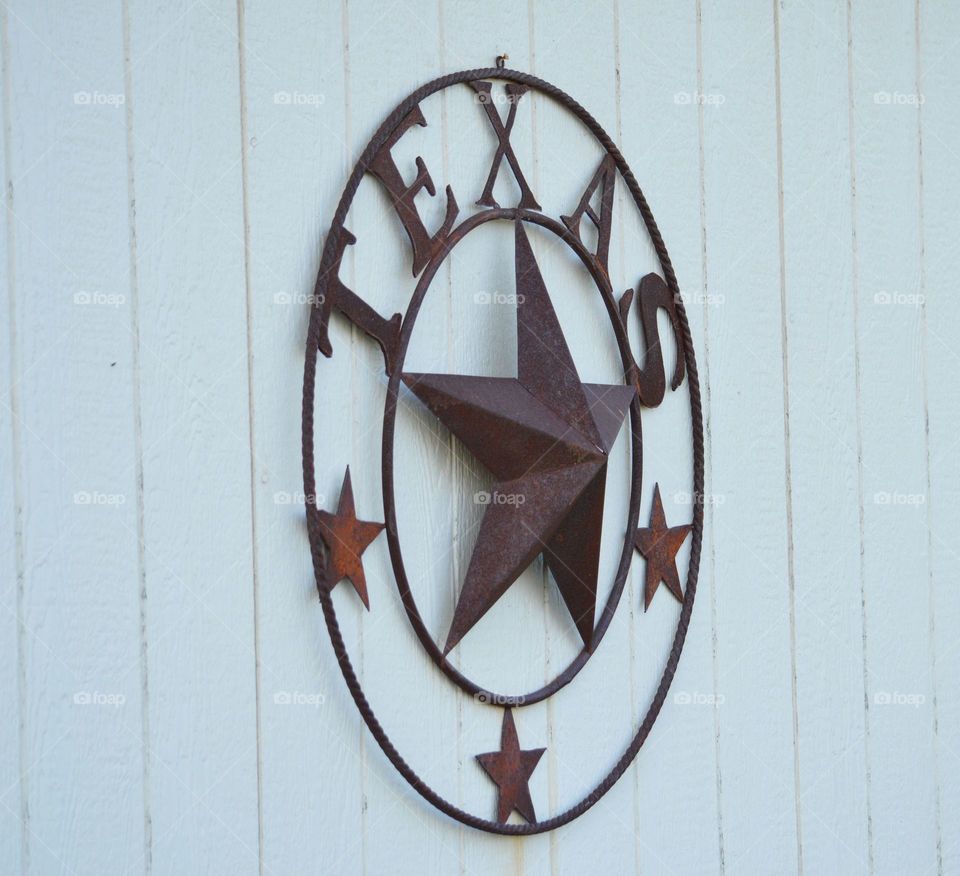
(346, 539)
(511, 769)
(659, 544)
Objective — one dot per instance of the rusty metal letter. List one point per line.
(504, 150)
(605, 178)
(651, 380)
(384, 168)
(331, 292)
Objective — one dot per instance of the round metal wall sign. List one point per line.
(544, 435)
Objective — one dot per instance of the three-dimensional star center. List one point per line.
(545, 437)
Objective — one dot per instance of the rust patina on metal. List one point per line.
(346, 538)
(510, 768)
(543, 381)
(659, 544)
(543, 434)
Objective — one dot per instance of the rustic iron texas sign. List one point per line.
(543, 434)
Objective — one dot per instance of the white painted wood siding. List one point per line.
(165, 211)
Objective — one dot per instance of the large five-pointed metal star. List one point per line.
(545, 437)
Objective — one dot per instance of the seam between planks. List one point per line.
(926, 436)
(855, 289)
(708, 427)
(354, 346)
(632, 671)
(787, 446)
(24, 808)
(457, 493)
(251, 419)
(552, 767)
(138, 447)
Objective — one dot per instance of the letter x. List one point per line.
(504, 149)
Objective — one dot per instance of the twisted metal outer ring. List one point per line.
(309, 480)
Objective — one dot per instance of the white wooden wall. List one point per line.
(164, 214)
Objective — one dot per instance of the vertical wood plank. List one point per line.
(67, 184)
(939, 81)
(676, 771)
(416, 703)
(821, 374)
(591, 721)
(482, 336)
(297, 158)
(203, 791)
(14, 836)
(748, 445)
(896, 570)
